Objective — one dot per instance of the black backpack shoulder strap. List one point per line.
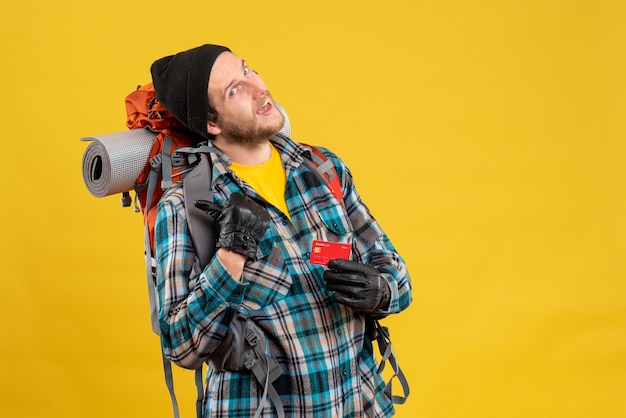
(197, 186)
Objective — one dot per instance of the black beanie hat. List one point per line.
(181, 83)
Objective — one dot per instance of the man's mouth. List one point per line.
(266, 108)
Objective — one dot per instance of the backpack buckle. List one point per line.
(126, 200)
(251, 337)
(178, 159)
(192, 159)
(155, 162)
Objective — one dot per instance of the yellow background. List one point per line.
(487, 137)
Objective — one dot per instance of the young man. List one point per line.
(313, 357)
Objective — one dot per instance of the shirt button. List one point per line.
(339, 332)
(344, 372)
(307, 255)
(284, 222)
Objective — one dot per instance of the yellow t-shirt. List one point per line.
(268, 179)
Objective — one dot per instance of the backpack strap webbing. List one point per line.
(199, 379)
(155, 169)
(265, 368)
(168, 144)
(388, 353)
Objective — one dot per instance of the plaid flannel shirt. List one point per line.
(328, 363)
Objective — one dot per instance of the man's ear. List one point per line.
(213, 129)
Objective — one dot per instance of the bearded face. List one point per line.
(246, 114)
(249, 131)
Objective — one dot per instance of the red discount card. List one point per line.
(323, 251)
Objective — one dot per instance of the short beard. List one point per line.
(247, 134)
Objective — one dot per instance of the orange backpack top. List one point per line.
(143, 110)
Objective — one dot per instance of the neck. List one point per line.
(245, 154)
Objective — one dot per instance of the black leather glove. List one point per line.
(356, 285)
(239, 225)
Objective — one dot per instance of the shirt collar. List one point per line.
(291, 153)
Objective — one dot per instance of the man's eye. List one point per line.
(246, 70)
(232, 92)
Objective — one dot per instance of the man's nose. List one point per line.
(257, 88)
(257, 91)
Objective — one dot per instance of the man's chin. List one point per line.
(272, 127)
(269, 132)
(251, 135)
(281, 122)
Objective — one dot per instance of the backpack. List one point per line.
(175, 155)
(164, 165)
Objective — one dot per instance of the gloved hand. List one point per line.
(239, 225)
(356, 285)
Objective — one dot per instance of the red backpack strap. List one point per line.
(325, 169)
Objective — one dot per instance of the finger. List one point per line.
(209, 207)
(339, 264)
(347, 300)
(347, 291)
(333, 277)
(352, 266)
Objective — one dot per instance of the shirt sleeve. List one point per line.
(371, 244)
(192, 321)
